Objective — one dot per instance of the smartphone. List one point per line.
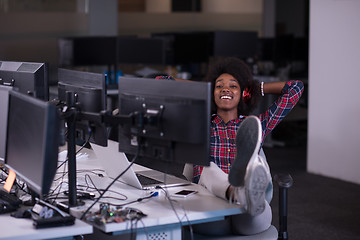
(184, 193)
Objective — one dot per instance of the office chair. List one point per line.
(284, 182)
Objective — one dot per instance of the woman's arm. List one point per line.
(290, 93)
(273, 87)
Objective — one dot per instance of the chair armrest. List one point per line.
(284, 181)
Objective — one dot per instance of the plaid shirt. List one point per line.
(222, 135)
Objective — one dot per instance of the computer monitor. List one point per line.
(32, 141)
(266, 49)
(184, 48)
(284, 49)
(176, 117)
(193, 47)
(140, 50)
(87, 51)
(28, 77)
(90, 91)
(4, 101)
(241, 44)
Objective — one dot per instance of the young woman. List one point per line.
(235, 164)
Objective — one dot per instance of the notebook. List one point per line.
(115, 162)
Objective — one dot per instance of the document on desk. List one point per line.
(115, 162)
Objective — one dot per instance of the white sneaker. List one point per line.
(256, 182)
(248, 140)
(251, 196)
(249, 173)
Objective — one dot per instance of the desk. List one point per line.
(15, 228)
(161, 218)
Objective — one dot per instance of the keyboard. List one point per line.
(146, 180)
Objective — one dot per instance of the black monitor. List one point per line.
(90, 96)
(192, 47)
(186, 48)
(241, 44)
(284, 49)
(4, 101)
(32, 141)
(28, 77)
(266, 49)
(176, 117)
(88, 50)
(141, 50)
(300, 49)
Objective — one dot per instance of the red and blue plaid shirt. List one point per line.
(222, 135)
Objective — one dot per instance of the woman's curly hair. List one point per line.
(241, 72)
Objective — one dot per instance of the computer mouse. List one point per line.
(22, 213)
(5, 208)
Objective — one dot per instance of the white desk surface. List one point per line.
(201, 207)
(15, 228)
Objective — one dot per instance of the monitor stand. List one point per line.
(71, 154)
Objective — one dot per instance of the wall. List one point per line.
(215, 15)
(232, 6)
(32, 35)
(334, 83)
(145, 23)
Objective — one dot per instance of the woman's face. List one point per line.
(227, 92)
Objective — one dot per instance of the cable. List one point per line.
(64, 173)
(153, 194)
(130, 165)
(102, 190)
(91, 181)
(81, 148)
(173, 208)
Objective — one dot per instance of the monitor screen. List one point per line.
(186, 47)
(176, 116)
(32, 141)
(241, 44)
(90, 91)
(4, 101)
(28, 77)
(266, 49)
(85, 51)
(89, 50)
(192, 47)
(284, 48)
(141, 50)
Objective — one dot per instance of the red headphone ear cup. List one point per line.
(246, 94)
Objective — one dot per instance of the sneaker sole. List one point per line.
(248, 139)
(257, 183)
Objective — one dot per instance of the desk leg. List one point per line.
(172, 232)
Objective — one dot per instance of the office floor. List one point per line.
(319, 207)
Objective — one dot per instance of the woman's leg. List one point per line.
(248, 181)
(245, 224)
(215, 180)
